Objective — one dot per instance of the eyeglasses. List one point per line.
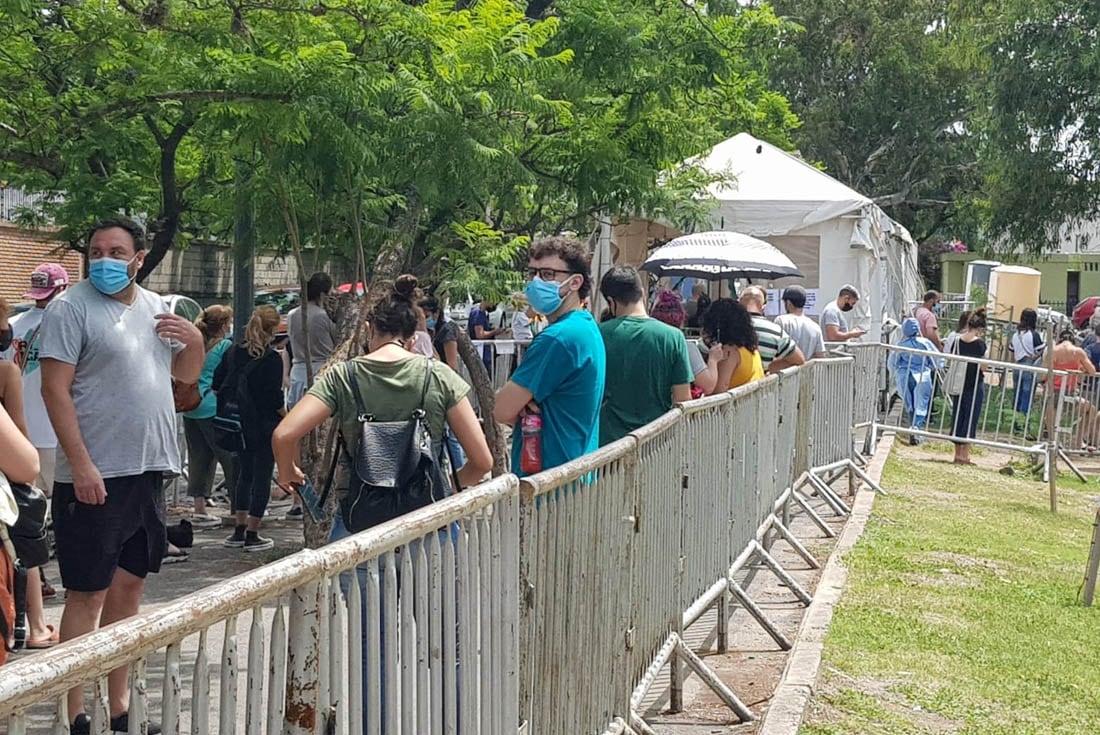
(546, 274)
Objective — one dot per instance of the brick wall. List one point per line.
(203, 271)
(22, 250)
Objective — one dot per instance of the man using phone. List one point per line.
(108, 352)
(834, 322)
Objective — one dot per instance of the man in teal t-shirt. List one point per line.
(647, 360)
(561, 375)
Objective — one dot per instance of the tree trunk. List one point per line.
(486, 400)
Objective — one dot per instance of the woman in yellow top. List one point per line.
(728, 330)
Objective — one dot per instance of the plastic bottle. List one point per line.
(531, 452)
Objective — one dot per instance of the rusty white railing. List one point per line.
(546, 605)
(421, 639)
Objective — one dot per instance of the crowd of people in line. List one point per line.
(100, 368)
(918, 378)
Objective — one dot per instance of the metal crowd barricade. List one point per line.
(579, 530)
(546, 604)
(831, 438)
(997, 422)
(426, 629)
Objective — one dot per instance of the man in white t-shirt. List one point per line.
(834, 324)
(47, 281)
(802, 329)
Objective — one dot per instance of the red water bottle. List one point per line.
(531, 452)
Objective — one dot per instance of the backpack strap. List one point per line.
(360, 407)
(427, 380)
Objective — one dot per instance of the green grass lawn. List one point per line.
(962, 612)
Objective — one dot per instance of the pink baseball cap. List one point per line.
(45, 279)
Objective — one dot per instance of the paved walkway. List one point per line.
(209, 562)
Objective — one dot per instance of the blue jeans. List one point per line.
(1025, 382)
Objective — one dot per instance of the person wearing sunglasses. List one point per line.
(561, 377)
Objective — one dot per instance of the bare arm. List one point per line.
(307, 415)
(511, 400)
(479, 460)
(791, 360)
(11, 394)
(731, 360)
(450, 353)
(834, 334)
(19, 460)
(1086, 364)
(57, 383)
(187, 363)
(681, 393)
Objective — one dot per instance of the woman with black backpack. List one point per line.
(249, 385)
(394, 386)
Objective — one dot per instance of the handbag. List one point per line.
(186, 396)
(393, 468)
(13, 576)
(956, 374)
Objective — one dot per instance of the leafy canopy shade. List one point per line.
(715, 255)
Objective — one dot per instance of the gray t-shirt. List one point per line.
(832, 314)
(804, 331)
(322, 334)
(122, 387)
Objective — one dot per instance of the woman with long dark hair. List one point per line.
(968, 404)
(258, 370)
(728, 332)
(1027, 349)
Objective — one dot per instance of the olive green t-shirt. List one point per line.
(391, 392)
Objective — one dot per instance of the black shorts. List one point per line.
(127, 531)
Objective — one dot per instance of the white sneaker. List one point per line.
(205, 520)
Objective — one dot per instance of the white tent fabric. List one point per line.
(720, 254)
(771, 192)
(773, 195)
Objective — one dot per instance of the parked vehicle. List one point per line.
(1083, 311)
(283, 298)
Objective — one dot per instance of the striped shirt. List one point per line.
(774, 343)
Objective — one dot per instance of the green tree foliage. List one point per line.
(883, 91)
(1042, 129)
(427, 131)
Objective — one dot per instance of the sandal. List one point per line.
(37, 644)
(175, 555)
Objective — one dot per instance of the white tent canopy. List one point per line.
(771, 192)
(834, 234)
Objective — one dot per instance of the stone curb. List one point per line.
(796, 687)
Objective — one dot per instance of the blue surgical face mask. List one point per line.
(110, 275)
(544, 296)
(430, 323)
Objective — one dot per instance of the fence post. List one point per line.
(1094, 561)
(303, 660)
(1052, 430)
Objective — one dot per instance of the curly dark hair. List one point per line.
(572, 251)
(729, 323)
(977, 319)
(396, 313)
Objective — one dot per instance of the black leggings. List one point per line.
(254, 486)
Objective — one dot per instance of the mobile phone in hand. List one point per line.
(310, 501)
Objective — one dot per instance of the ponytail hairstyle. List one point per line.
(977, 319)
(213, 322)
(260, 330)
(964, 321)
(395, 315)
